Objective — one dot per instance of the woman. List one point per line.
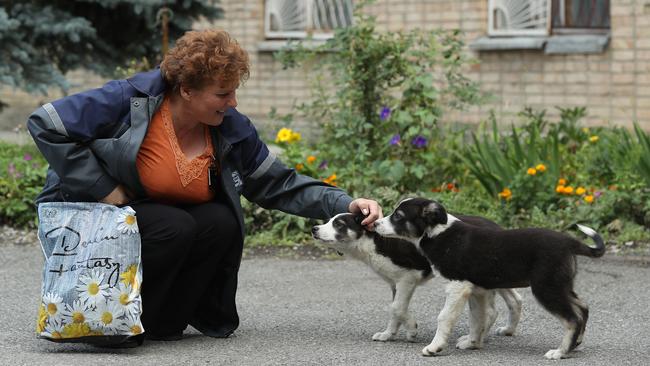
(171, 144)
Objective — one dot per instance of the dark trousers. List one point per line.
(189, 254)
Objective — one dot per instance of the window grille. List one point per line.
(301, 18)
(519, 17)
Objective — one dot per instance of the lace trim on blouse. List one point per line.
(188, 170)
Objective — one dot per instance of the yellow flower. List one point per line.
(42, 319)
(580, 191)
(561, 182)
(568, 190)
(299, 166)
(589, 199)
(541, 168)
(506, 194)
(295, 136)
(128, 277)
(593, 138)
(311, 159)
(559, 189)
(531, 171)
(76, 330)
(284, 135)
(585, 130)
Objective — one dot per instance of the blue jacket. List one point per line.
(91, 141)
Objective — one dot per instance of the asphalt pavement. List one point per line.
(324, 312)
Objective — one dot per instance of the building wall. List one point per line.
(613, 85)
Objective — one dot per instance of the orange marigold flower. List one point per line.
(580, 191)
(311, 159)
(541, 168)
(506, 194)
(568, 190)
(300, 166)
(330, 180)
(559, 189)
(531, 171)
(589, 199)
(561, 181)
(450, 186)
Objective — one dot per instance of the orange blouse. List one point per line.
(166, 174)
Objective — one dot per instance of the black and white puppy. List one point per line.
(404, 268)
(539, 258)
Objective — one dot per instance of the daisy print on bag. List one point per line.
(53, 305)
(131, 326)
(53, 329)
(126, 221)
(91, 290)
(106, 316)
(124, 297)
(77, 313)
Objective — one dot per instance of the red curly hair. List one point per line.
(203, 57)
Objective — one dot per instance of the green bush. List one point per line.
(22, 176)
(379, 97)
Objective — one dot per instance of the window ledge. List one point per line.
(556, 44)
(583, 43)
(277, 45)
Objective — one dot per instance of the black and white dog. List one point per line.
(404, 268)
(539, 258)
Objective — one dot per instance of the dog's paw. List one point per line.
(555, 354)
(382, 336)
(465, 342)
(411, 331)
(434, 349)
(411, 335)
(505, 331)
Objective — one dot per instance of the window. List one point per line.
(555, 26)
(580, 16)
(545, 17)
(302, 18)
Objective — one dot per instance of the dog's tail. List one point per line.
(588, 251)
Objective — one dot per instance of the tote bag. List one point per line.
(92, 274)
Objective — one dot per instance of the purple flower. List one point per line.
(11, 169)
(323, 165)
(27, 157)
(385, 113)
(395, 140)
(419, 141)
(598, 194)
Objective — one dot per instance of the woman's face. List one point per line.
(208, 105)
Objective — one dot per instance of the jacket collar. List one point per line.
(235, 126)
(150, 83)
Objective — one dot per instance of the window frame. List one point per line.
(309, 31)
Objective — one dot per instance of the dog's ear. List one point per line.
(358, 219)
(434, 214)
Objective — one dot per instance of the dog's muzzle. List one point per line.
(314, 232)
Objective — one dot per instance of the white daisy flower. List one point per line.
(91, 289)
(131, 326)
(127, 223)
(78, 313)
(53, 329)
(124, 296)
(53, 305)
(106, 316)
